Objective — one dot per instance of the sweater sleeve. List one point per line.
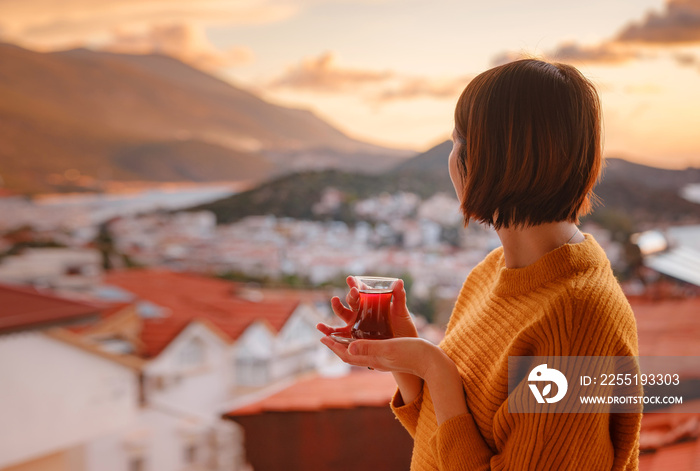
(533, 442)
(553, 441)
(407, 413)
(536, 441)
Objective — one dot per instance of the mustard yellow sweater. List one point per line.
(568, 303)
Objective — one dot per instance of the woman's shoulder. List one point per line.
(586, 307)
(586, 277)
(600, 308)
(597, 288)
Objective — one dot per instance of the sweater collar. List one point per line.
(559, 263)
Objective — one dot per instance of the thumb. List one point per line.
(399, 294)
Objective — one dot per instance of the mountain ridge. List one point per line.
(632, 195)
(84, 110)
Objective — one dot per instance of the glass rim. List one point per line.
(375, 278)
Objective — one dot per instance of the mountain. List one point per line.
(432, 161)
(426, 173)
(651, 177)
(125, 117)
(632, 195)
(639, 193)
(295, 195)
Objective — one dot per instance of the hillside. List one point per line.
(426, 173)
(114, 116)
(294, 196)
(632, 195)
(651, 177)
(642, 196)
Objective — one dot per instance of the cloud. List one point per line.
(50, 25)
(53, 24)
(686, 59)
(678, 23)
(322, 74)
(422, 87)
(607, 53)
(183, 41)
(603, 53)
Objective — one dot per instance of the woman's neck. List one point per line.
(524, 246)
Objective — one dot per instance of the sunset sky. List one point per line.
(390, 71)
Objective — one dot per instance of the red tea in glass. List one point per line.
(375, 300)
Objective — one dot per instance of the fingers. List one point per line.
(341, 311)
(361, 348)
(377, 354)
(326, 329)
(367, 353)
(353, 299)
(336, 347)
(343, 352)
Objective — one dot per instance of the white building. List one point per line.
(55, 396)
(178, 426)
(207, 347)
(56, 399)
(144, 386)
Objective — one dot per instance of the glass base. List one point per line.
(342, 337)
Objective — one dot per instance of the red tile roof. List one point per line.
(669, 440)
(190, 297)
(680, 457)
(667, 327)
(23, 308)
(359, 388)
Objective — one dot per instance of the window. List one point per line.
(116, 345)
(192, 354)
(299, 360)
(252, 371)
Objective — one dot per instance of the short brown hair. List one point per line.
(530, 134)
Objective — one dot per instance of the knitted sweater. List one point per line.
(567, 303)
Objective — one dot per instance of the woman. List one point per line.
(526, 155)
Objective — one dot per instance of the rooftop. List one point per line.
(357, 389)
(188, 297)
(667, 327)
(26, 308)
(669, 440)
(681, 263)
(683, 456)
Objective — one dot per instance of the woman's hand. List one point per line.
(393, 357)
(398, 355)
(399, 317)
(416, 358)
